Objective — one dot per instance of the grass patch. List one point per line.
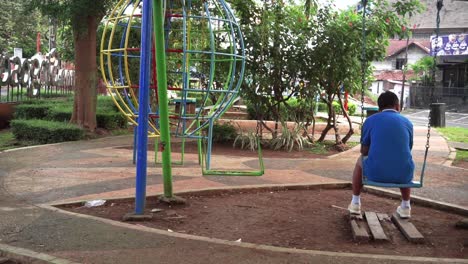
(462, 155)
(456, 134)
(7, 140)
(319, 148)
(325, 147)
(121, 132)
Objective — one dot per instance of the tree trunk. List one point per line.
(331, 118)
(84, 108)
(313, 128)
(345, 114)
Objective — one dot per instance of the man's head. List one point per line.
(388, 100)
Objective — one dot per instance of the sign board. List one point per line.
(18, 52)
(454, 44)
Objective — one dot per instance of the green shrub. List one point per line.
(31, 111)
(290, 139)
(60, 114)
(295, 111)
(254, 111)
(351, 108)
(247, 140)
(106, 102)
(110, 120)
(224, 132)
(322, 107)
(44, 132)
(36, 102)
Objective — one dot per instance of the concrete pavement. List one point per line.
(103, 169)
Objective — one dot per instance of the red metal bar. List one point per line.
(136, 86)
(157, 116)
(175, 50)
(153, 65)
(174, 15)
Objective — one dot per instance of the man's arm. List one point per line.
(364, 150)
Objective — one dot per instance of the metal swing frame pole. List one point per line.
(142, 129)
(363, 58)
(158, 23)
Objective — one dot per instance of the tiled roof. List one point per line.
(397, 46)
(396, 75)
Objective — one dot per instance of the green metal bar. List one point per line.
(158, 18)
(255, 173)
(199, 144)
(180, 162)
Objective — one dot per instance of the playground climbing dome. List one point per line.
(205, 61)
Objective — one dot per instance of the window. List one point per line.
(400, 63)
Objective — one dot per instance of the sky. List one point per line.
(342, 4)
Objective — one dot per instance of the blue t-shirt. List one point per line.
(389, 136)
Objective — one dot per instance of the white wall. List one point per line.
(414, 54)
(377, 87)
(383, 65)
(397, 90)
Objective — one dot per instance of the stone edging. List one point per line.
(54, 144)
(447, 207)
(29, 256)
(422, 201)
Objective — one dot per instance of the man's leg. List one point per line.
(357, 177)
(355, 205)
(405, 194)
(404, 210)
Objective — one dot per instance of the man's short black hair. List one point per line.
(387, 100)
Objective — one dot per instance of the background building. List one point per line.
(452, 68)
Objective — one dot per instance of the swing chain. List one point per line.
(440, 4)
(363, 59)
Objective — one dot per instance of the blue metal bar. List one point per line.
(120, 54)
(142, 130)
(233, 35)
(223, 104)
(135, 138)
(212, 59)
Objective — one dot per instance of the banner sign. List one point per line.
(454, 44)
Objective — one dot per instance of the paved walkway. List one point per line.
(103, 169)
(459, 145)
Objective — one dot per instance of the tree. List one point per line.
(19, 27)
(83, 16)
(338, 50)
(276, 37)
(423, 70)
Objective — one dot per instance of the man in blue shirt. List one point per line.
(386, 143)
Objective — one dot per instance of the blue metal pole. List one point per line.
(134, 143)
(142, 131)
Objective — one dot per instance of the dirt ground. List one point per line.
(461, 164)
(304, 219)
(226, 148)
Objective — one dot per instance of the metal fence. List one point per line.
(421, 96)
(40, 76)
